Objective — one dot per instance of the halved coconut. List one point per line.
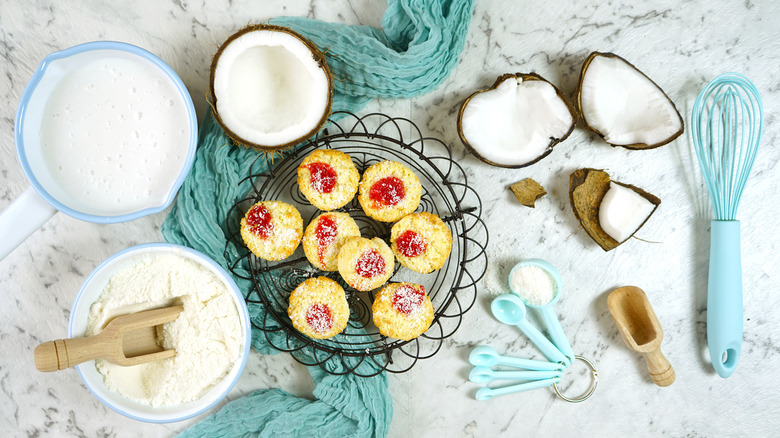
(270, 87)
(624, 106)
(609, 211)
(517, 121)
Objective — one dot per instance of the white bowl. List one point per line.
(77, 327)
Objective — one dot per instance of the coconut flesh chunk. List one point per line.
(623, 211)
(625, 106)
(515, 123)
(269, 88)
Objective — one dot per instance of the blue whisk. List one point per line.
(726, 127)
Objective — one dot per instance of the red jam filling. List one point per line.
(411, 244)
(323, 177)
(370, 264)
(407, 299)
(387, 191)
(320, 318)
(258, 220)
(326, 232)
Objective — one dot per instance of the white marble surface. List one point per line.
(679, 44)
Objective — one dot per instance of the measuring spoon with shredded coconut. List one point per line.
(538, 284)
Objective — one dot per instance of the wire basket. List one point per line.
(452, 289)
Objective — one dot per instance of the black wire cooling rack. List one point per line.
(360, 349)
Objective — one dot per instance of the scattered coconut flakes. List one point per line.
(407, 299)
(623, 211)
(528, 192)
(319, 317)
(322, 177)
(411, 244)
(370, 264)
(387, 191)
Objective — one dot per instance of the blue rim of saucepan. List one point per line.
(104, 45)
(230, 284)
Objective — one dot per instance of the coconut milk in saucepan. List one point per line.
(114, 136)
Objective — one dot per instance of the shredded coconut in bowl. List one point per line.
(207, 335)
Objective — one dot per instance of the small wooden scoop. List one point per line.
(641, 330)
(127, 340)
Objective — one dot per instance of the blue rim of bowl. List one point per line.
(230, 283)
(550, 269)
(104, 45)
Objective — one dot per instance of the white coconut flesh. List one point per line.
(514, 123)
(623, 211)
(269, 88)
(625, 106)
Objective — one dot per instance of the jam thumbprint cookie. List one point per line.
(272, 229)
(365, 264)
(325, 236)
(421, 242)
(402, 311)
(389, 191)
(318, 308)
(328, 179)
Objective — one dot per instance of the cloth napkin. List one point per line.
(414, 51)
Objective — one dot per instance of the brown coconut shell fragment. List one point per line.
(528, 192)
(587, 188)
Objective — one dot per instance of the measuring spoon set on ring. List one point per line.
(510, 309)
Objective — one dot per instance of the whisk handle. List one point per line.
(724, 298)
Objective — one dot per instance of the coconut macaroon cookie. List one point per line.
(325, 236)
(328, 179)
(272, 229)
(402, 311)
(389, 191)
(421, 242)
(365, 264)
(318, 308)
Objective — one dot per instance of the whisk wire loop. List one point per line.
(726, 128)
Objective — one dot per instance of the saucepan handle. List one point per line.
(25, 215)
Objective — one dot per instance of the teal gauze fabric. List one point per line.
(412, 54)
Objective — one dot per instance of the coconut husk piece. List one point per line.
(528, 192)
(587, 188)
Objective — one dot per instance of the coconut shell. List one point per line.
(525, 77)
(528, 192)
(319, 57)
(635, 146)
(587, 188)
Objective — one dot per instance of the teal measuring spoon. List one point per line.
(509, 309)
(485, 356)
(485, 375)
(549, 317)
(488, 393)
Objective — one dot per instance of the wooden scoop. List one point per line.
(127, 340)
(641, 330)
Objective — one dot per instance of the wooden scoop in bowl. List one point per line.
(641, 330)
(127, 340)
